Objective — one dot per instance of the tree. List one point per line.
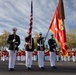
(3, 39)
(35, 39)
(71, 39)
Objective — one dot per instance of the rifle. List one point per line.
(14, 43)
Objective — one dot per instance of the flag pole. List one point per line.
(30, 24)
(32, 17)
(46, 35)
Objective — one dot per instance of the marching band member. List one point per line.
(23, 55)
(7, 55)
(0, 54)
(61, 56)
(19, 55)
(69, 54)
(4, 54)
(35, 55)
(73, 55)
(65, 58)
(57, 55)
(47, 55)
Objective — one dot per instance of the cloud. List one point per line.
(16, 13)
(70, 9)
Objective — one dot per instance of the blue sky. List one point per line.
(16, 13)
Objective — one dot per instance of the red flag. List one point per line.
(57, 27)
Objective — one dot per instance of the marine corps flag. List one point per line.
(57, 27)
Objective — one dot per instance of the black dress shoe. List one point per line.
(29, 68)
(42, 68)
(54, 67)
(11, 69)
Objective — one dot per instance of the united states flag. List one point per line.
(31, 20)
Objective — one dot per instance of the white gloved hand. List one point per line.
(38, 44)
(14, 40)
(15, 46)
(54, 49)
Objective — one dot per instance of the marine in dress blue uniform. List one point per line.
(40, 49)
(52, 46)
(13, 41)
(29, 47)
